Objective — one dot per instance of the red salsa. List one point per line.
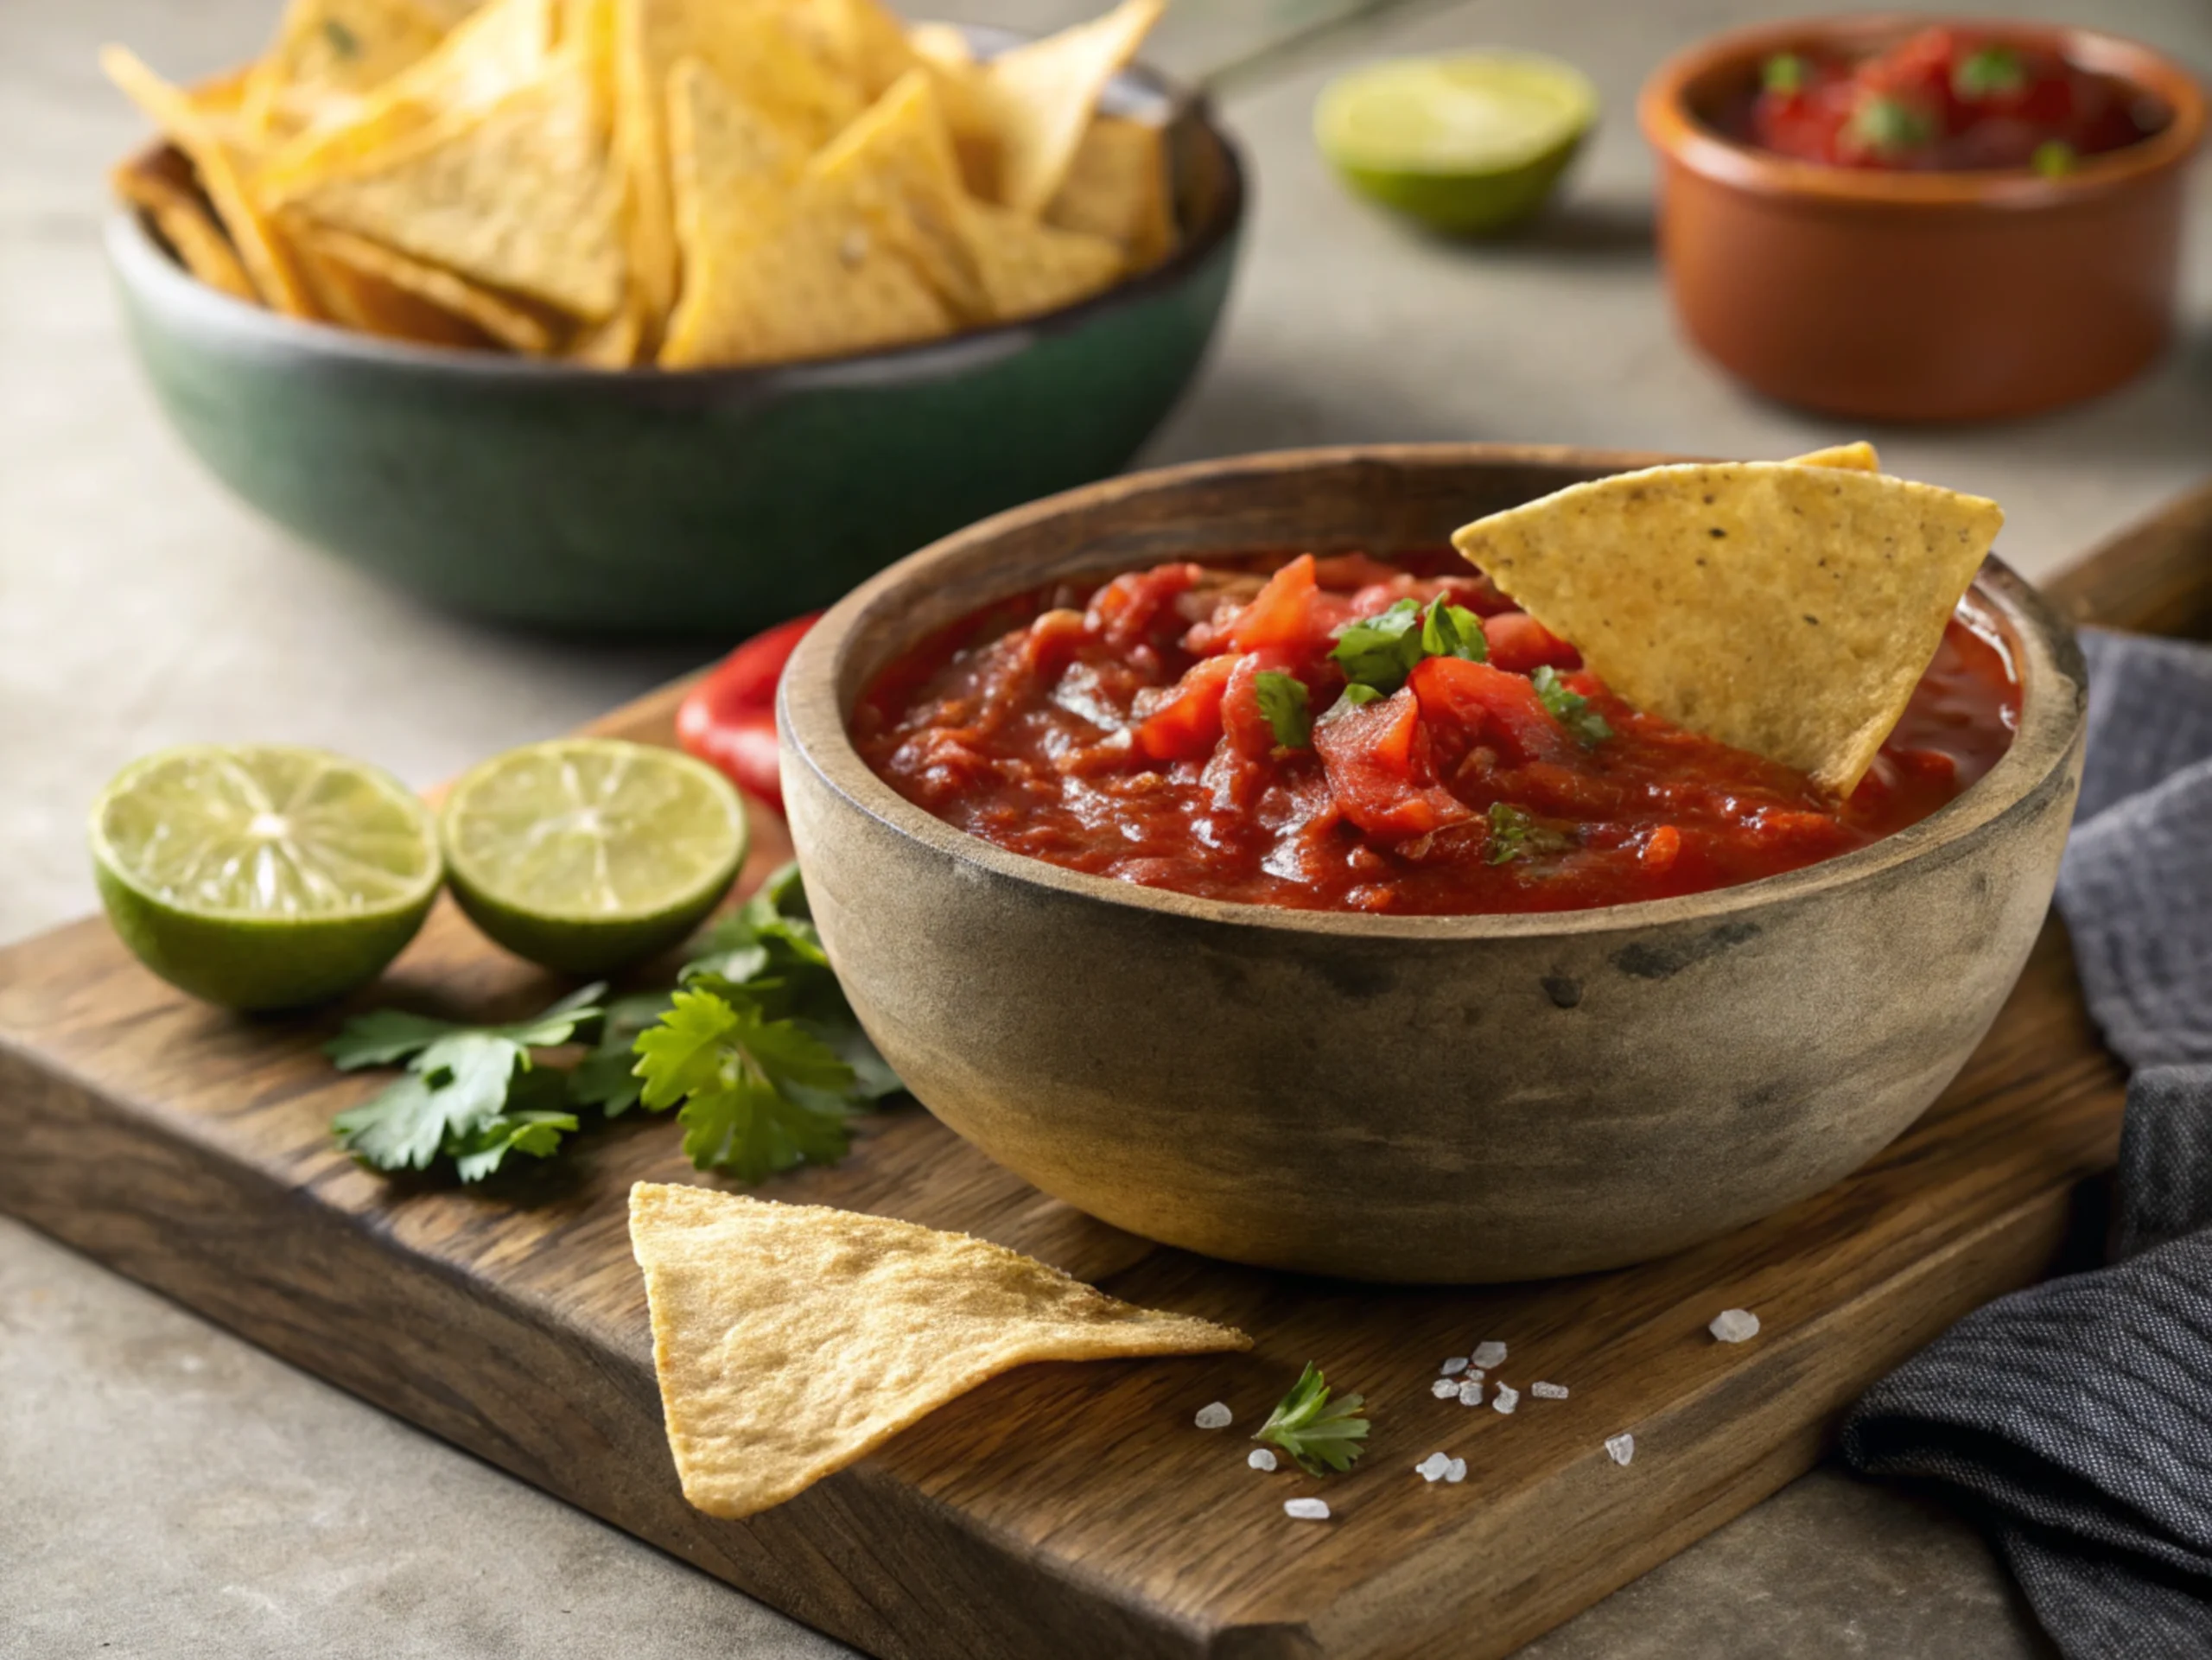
(1344, 734)
(1946, 99)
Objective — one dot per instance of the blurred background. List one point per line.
(140, 606)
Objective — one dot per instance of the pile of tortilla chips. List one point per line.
(685, 183)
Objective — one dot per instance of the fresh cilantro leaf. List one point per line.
(384, 1037)
(1451, 630)
(2053, 158)
(459, 1079)
(605, 1078)
(1993, 72)
(1784, 72)
(757, 1096)
(1570, 709)
(1888, 126)
(1515, 835)
(1283, 700)
(1356, 696)
(1320, 1433)
(536, 1133)
(1380, 650)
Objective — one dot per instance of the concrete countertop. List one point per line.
(167, 1490)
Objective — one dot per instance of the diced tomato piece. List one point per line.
(1500, 706)
(1521, 645)
(1381, 771)
(1661, 849)
(1281, 613)
(1125, 609)
(1186, 723)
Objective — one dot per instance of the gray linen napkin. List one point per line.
(2075, 1417)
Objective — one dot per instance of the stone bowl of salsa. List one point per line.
(1487, 978)
(1899, 219)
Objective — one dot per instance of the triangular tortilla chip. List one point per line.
(1785, 609)
(757, 50)
(506, 320)
(776, 267)
(328, 54)
(1041, 97)
(956, 79)
(494, 52)
(1117, 188)
(896, 161)
(520, 195)
(159, 180)
(1028, 267)
(791, 1340)
(1857, 457)
(220, 164)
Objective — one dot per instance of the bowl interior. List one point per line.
(1381, 498)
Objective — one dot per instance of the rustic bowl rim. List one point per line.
(1680, 135)
(142, 264)
(811, 724)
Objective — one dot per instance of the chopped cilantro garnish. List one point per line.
(1993, 72)
(2053, 158)
(1320, 1433)
(1570, 709)
(757, 1041)
(1515, 835)
(1380, 651)
(1888, 126)
(1784, 72)
(1284, 701)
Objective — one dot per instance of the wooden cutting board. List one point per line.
(1069, 1510)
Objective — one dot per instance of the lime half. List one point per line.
(1466, 144)
(588, 853)
(259, 876)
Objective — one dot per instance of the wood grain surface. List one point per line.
(1064, 1509)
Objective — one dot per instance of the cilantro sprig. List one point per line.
(1515, 835)
(756, 1047)
(1570, 709)
(1289, 709)
(1379, 652)
(1321, 1434)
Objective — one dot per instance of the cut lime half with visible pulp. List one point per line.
(587, 854)
(261, 876)
(1466, 144)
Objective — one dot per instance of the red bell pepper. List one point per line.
(729, 720)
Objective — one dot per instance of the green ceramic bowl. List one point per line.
(696, 502)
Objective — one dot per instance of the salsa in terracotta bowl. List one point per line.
(1350, 734)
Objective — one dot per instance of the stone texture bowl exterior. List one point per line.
(1421, 1099)
(699, 502)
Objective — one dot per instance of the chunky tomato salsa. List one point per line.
(1946, 98)
(1344, 734)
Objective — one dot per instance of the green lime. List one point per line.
(1466, 144)
(261, 876)
(588, 853)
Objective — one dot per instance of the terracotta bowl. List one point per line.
(1411, 1098)
(1917, 297)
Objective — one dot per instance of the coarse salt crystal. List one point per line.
(1214, 1415)
(1432, 1467)
(1456, 1471)
(1488, 1355)
(1455, 1365)
(1507, 1397)
(1260, 1459)
(1622, 1447)
(1306, 1510)
(1444, 1389)
(1734, 1325)
(1548, 1391)
(1471, 1392)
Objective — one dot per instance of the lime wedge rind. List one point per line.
(1467, 144)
